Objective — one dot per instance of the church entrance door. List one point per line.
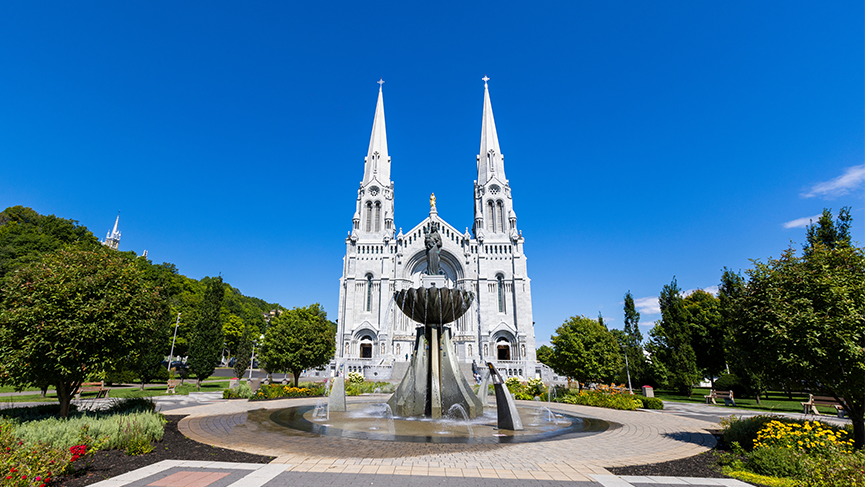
(504, 351)
(365, 350)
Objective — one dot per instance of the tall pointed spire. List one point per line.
(490, 155)
(112, 238)
(377, 161)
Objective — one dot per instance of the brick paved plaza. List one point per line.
(638, 437)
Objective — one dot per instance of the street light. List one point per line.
(628, 369)
(252, 359)
(171, 354)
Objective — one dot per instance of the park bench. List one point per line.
(97, 387)
(814, 401)
(172, 386)
(727, 396)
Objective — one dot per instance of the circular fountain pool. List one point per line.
(373, 421)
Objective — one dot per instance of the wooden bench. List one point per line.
(814, 401)
(172, 386)
(727, 396)
(97, 387)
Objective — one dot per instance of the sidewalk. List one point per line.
(177, 473)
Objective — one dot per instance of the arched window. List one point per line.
(377, 216)
(491, 217)
(369, 292)
(368, 216)
(501, 292)
(500, 207)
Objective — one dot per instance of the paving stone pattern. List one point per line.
(641, 438)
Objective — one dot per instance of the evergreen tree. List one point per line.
(671, 341)
(707, 333)
(828, 233)
(206, 344)
(633, 340)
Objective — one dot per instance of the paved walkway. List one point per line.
(177, 473)
(642, 437)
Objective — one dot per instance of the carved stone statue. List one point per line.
(433, 244)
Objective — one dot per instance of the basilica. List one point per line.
(375, 338)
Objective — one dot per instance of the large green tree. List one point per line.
(670, 342)
(298, 339)
(25, 236)
(73, 315)
(544, 354)
(206, 344)
(585, 350)
(708, 334)
(803, 318)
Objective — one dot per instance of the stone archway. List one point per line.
(366, 346)
(503, 349)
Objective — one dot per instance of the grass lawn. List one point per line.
(777, 403)
(12, 389)
(149, 391)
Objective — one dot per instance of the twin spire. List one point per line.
(490, 161)
(377, 161)
(490, 156)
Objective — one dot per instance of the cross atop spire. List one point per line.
(380, 82)
(485, 78)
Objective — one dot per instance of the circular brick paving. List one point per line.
(643, 437)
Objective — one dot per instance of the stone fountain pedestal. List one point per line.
(433, 383)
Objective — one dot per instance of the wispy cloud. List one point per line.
(852, 178)
(648, 305)
(801, 222)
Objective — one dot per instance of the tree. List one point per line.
(25, 236)
(708, 334)
(750, 374)
(633, 340)
(206, 344)
(544, 354)
(585, 350)
(804, 319)
(671, 341)
(830, 235)
(72, 315)
(298, 339)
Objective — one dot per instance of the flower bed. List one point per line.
(279, 391)
(788, 452)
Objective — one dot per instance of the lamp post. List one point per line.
(252, 359)
(628, 369)
(171, 354)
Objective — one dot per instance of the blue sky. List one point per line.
(643, 140)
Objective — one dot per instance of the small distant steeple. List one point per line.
(112, 238)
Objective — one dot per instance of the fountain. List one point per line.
(434, 402)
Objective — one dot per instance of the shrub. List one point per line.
(651, 402)
(355, 378)
(808, 437)
(242, 391)
(522, 396)
(744, 430)
(111, 431)
(354, 389)
(131, 405)
(514, 385)
(602, 399)
(776, 462)
(834, 469)
(29, 465)
(535, 387)
(277, 391)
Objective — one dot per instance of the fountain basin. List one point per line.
(433, 305)
(366, 421)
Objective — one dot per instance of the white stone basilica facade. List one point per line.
(374, 337)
